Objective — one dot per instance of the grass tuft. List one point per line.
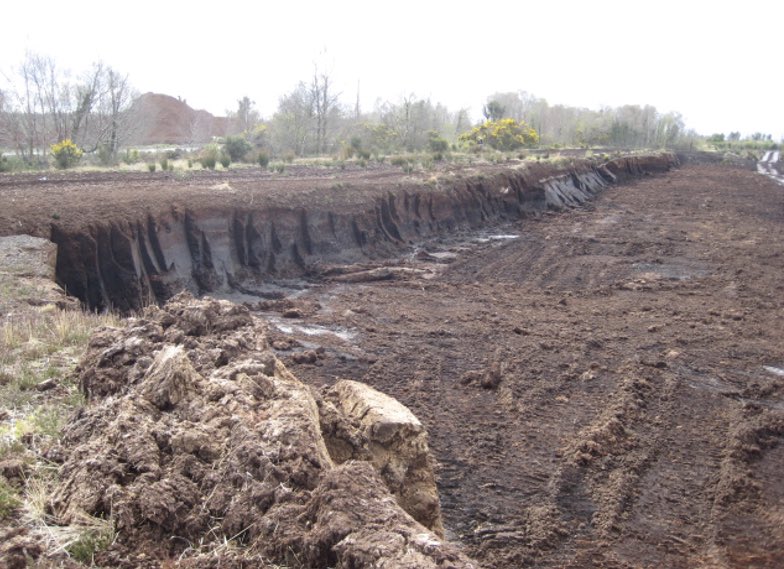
(9, 499)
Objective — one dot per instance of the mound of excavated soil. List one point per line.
(162, 119)
(203, 448)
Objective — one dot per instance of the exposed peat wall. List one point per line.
(127, 264)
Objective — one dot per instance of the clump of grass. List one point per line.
(93, 539)
(38, 346)
(9, 499)
(82, 539)
(43, 332)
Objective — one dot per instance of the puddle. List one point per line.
(671, 271)
(767, 166)
(774, 370)
(444, 255)
(497, 237)
(263, 291)
(311, 330)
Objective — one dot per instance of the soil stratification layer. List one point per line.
(125, 241)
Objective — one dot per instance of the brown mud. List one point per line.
(605, 390)
(601, 387)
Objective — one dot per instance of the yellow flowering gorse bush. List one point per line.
(66, 153)
(502, 134)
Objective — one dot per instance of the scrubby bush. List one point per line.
(66, 154)
(263, 159)
(131, 156)
(236, 148)
(151, 166)
(437, 143)
(105, 157)
(5, 165)
(503, 135)
(209, 156)
(289, 156)
(225, 161)
(164, 164)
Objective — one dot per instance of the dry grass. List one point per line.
(39, 348)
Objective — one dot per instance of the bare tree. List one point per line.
(116, 102)
(293, 123)
(324, 104)
(86, 95)
(247, 117)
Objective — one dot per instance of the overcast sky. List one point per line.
(718, 64)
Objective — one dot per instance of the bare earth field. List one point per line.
(605, 390)
(602, 387)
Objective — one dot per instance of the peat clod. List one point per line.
(202, 448)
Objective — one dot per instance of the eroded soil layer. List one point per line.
(605, 390)
(128, 241)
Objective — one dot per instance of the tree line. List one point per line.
(42, 104)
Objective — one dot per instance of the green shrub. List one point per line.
(289, 156)
(66, 154)
(5, 164)
(225, 161)
(105, 157)
(236, 148)
(437, 143)
(263, 159)
(210, 155)
(131, 156)
(164, 164)
(151, 166)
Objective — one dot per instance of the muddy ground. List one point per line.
(605, 389)
(602, 387)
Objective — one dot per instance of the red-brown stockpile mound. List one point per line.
(195, 434)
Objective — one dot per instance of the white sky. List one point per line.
(718, 63)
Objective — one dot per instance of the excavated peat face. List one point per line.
(125, 265)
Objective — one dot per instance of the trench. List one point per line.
(126, 265)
